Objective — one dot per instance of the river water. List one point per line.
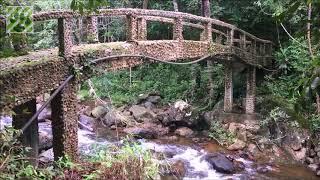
(192, 154)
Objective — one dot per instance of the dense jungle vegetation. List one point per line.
(292, 85)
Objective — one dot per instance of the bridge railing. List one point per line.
(213, 30)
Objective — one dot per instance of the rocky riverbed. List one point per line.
(180, 135)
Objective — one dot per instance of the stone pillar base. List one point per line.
(65, 123)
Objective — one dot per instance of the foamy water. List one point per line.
(196, 166)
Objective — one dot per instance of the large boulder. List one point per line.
(99, 112)
(220, 163)
(147, 130)
(45, 113)
(142, 114)
(45, 135)
(237, 145)
(180, 113)
(86, 122)
(184, 131)
(141, 133)
(116, 117)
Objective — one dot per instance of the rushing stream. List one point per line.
(190, 153)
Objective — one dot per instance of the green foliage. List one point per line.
(218, 133)
(14, 163)
(171, 81)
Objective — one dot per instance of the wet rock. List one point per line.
(141, 113)
(99, 112)
(154, 99)
(141, 133)
(86, 122)
(313, 167)
(300, 155)
(46, 156)
(116, 117)
(147, 130)
(252, 126)
(309, 160)
(296, 144)
(220, 163)
(170, 138)
(149, 105)
(180, 113)
(253, 149)
(178, 169)
(45, 135)
(317, 149)
(45, 113)
(184, 131)
(262, 169)
(237, 145)
(312, 153)
(239, 166)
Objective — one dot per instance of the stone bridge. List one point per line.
(24, 78)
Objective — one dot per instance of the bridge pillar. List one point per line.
(30, 137)
(178, 29)
(65, 36)
(142, 29)
(92, 29)
(206, 34)
(251, 90)
(228, 88)
(65, 123)
(132, 28)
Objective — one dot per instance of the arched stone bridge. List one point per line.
(24, 78)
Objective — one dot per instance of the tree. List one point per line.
(175, 5)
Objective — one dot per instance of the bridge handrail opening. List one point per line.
(143, 12)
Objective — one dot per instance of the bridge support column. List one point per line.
(206, 34)
(92, 32)
(65, 36)
(30, 137)
(228, 88)
(65, 123)
(251, 90)
(132, 28)
(142, 29)
(178, 29)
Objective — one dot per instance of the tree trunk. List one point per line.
(175, 5)
(206, 12)
(205, 8)
(145, 4)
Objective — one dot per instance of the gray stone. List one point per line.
(301, 154)
(149, 105)
(309, 160)
(115, 117)
(220, 163)
(46, 156)
(138, 132)
(317, 149)
(253, 149)
(313, 167)
(154, 99)
(141, 113)
(312, 153)
(45, 135)
(86, 122)
(237, 145)
(99, 112)
(184, 131)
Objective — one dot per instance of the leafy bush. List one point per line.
(217, 133)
